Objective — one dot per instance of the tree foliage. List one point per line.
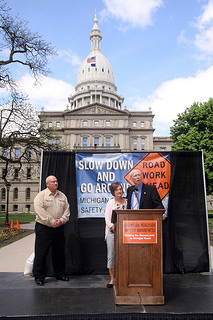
(193, 130)
(18, 45)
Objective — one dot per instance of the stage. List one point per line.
(187, 296)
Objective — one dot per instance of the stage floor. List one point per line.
(20, 296)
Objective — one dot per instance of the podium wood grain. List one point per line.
(138, 266)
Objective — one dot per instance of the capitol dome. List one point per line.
(95, 68)
(95, 82)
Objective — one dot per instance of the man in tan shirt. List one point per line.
(52, 212)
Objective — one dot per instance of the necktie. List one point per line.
(135, 200)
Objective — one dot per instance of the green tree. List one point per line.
(193, 130)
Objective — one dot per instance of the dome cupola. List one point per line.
(96, 67)
(95, 81)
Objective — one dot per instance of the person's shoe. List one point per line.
(63, 278)
(110, 285)
(39, 282)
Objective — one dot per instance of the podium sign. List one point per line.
(138, 257)
(140, 231)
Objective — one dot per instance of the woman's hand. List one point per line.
(112, 228)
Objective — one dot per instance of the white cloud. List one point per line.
(133, 12)
(70, 57)
(204, 37)
(174, 96)
(51, 94)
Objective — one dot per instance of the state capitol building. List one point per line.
(95, 121)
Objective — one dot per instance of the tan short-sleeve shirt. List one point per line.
(49, 207)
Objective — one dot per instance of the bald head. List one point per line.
(52, 183)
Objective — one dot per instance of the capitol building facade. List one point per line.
(95, 121)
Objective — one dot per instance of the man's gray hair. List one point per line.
(131, 173)
(47, 179)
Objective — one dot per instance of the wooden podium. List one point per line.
(138, 257)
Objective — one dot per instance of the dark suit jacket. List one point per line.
(150, 198)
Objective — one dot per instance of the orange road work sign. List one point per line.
(155, 170)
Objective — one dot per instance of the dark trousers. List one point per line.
(45, 238)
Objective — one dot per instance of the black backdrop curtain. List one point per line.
(185, 237)
(185, 230)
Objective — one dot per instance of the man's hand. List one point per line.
(164, 216)
(57, 223)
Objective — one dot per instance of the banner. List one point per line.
(95, 173)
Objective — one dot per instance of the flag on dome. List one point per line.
(92, 59)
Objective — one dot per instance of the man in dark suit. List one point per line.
(147, 195)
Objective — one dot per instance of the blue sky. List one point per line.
(160, 50)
